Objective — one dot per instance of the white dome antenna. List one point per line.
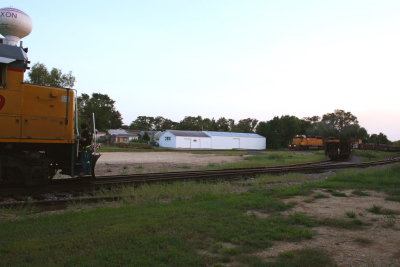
(14, 25)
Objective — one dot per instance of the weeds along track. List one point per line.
(231, 173)
(63, 191)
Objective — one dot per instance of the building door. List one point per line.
(186, 143)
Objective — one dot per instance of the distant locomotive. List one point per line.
(38, 124)
(302, 142)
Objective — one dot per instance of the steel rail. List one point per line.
(230, 173)
(88, 184)
(56, 204)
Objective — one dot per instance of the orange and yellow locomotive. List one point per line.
(38, 124)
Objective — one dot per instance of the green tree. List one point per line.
(162, 124)
(107, 117)
(246, 125)
(322, 129)
(354, 132)
(143, 123)
(280, 130)
(379, 139)
(339, 124)
(147, 123)
(209, 124)
(339, 119)
(41, 76)
(146, 137)
(312, 119)
(224, 125)
(191, 124)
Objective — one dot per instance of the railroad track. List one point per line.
(232, 173)
(70, 190)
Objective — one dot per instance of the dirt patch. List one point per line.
(257, 214)
(113, 163)
(378, 244)
(336, 207)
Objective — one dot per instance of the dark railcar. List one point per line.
(337, 149)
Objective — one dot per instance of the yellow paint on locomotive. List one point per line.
(35, 113)
(317, 142)
(303, 142)
(297, 142)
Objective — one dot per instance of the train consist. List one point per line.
(335, 149)
(38, 135)
(380, 147)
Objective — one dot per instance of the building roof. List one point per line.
(188, 133)
(211, 133)
(123, 132)
(231, 134)
(12, 52)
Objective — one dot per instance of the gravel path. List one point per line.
(112, 163)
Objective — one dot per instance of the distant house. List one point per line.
(101, 136)
(211, 140)
(122, 135)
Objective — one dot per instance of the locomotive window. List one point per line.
(3, 75)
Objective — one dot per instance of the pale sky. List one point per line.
(227, 58)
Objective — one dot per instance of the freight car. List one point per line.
(338, 149)
(380, 147)
(38, 124)
(302, 142)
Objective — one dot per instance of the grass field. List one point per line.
(183, 224)
(370, 155)
(108, 148)
(270, 158)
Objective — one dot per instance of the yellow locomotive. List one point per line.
(302, 142)
(38, 124)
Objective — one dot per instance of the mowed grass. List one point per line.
(270, 159)
(148, 234)
(108, 148)
(181, 224)
(371, 155)
(381, 179)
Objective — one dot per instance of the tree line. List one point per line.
(191, 123)
(278, 131)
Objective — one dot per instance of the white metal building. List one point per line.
(228, 140)
(211, 140)
(185, 139)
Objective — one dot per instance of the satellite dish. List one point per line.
(14, 25)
